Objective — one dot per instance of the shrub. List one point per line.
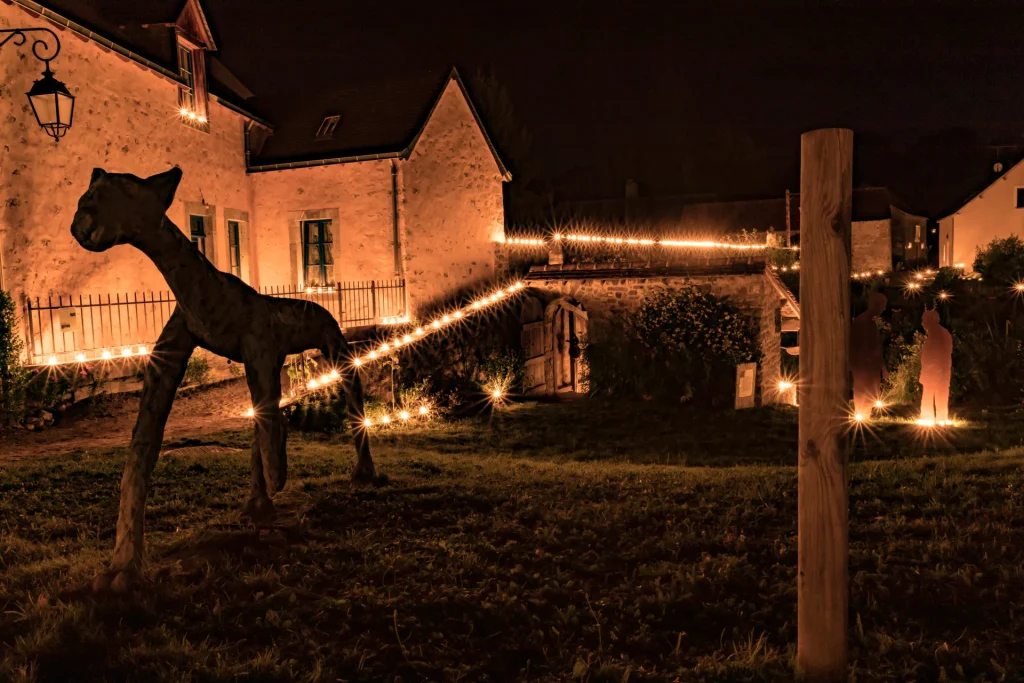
(1001, 261)
(198, 369)
(678, 344)
(903, 385)
(14, 376)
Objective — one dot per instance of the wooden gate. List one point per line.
(552, 345)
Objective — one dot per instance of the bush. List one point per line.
(677, 345)
(14, 377)
(1001, 261)
(903, 385)
(198, 369)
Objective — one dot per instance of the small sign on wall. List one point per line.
(70, 321)
(746, 381)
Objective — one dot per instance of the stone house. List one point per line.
(996, 212)
(398, 186)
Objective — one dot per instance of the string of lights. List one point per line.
(634, 242)
(387, 348)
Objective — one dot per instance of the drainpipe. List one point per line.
(394, 216)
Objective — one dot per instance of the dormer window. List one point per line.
(326, 129)
(192, 97)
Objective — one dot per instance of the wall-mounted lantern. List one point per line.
(52, 103)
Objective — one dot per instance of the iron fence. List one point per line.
(63, 329)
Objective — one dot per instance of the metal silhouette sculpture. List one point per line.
(866, 357)
(218, 312)
(936, 369)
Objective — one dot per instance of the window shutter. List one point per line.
(294, 253)
(243, 252)
(211, 238)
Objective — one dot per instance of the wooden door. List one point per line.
(565, 330)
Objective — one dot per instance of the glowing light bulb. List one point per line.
(143, 350)
(80, 358)
(404, 415)
(519, 285)
(858, 417)
(201, 119)
(250, 413)
(396, 342)
(386, 419)
(879, 404)
(924, 423)
(457, 314)
(192, 115)
(334, 374)
(943, 295)
(126, 352)
(309, 290)
(419, 332)
(371, 355)
(1019, 286)
(367, 422)
(496, 393)
(436, 324)
(52, 361)
(423, 410)
(476, 304)
(445, 319)
(407, 338)
(311, 384)
(785, 386)
(357, 362)
(324, 379)
(106, 355)
(384, 348)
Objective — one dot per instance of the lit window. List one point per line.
(186, 69)
(327, 127)
(197, 228)
(317, 259)
(235, 248)
(192, 97)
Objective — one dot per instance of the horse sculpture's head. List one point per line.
(119, 207)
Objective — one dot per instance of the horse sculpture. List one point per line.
(218, 312)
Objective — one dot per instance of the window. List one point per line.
(186, 69)
(1020, 197)
(197, 228)
(192, 98)
(326, 130)
(317, 259)
(235, 248)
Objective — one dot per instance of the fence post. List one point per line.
(31, 346)
(341, 307)
(826, 199)
(373, 298)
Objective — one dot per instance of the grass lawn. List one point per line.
(547, 542)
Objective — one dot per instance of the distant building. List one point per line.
(394, 181)
(993, 213)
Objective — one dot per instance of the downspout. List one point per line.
(394, 217)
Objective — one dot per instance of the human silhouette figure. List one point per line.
(936, 369)
(866, 357)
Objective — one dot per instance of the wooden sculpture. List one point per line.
(866, 359)
(218, 312)
(936, 369)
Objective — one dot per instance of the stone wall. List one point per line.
(871, 246)
(355, 197)
(125, 121)
(605, 300)
(453, 211)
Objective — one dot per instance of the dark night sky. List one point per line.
(684, 97)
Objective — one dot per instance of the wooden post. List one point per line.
(789, 223)
(826, 199)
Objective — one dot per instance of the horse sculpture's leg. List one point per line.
(164, 372)
(336, 351)
(270, 435)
